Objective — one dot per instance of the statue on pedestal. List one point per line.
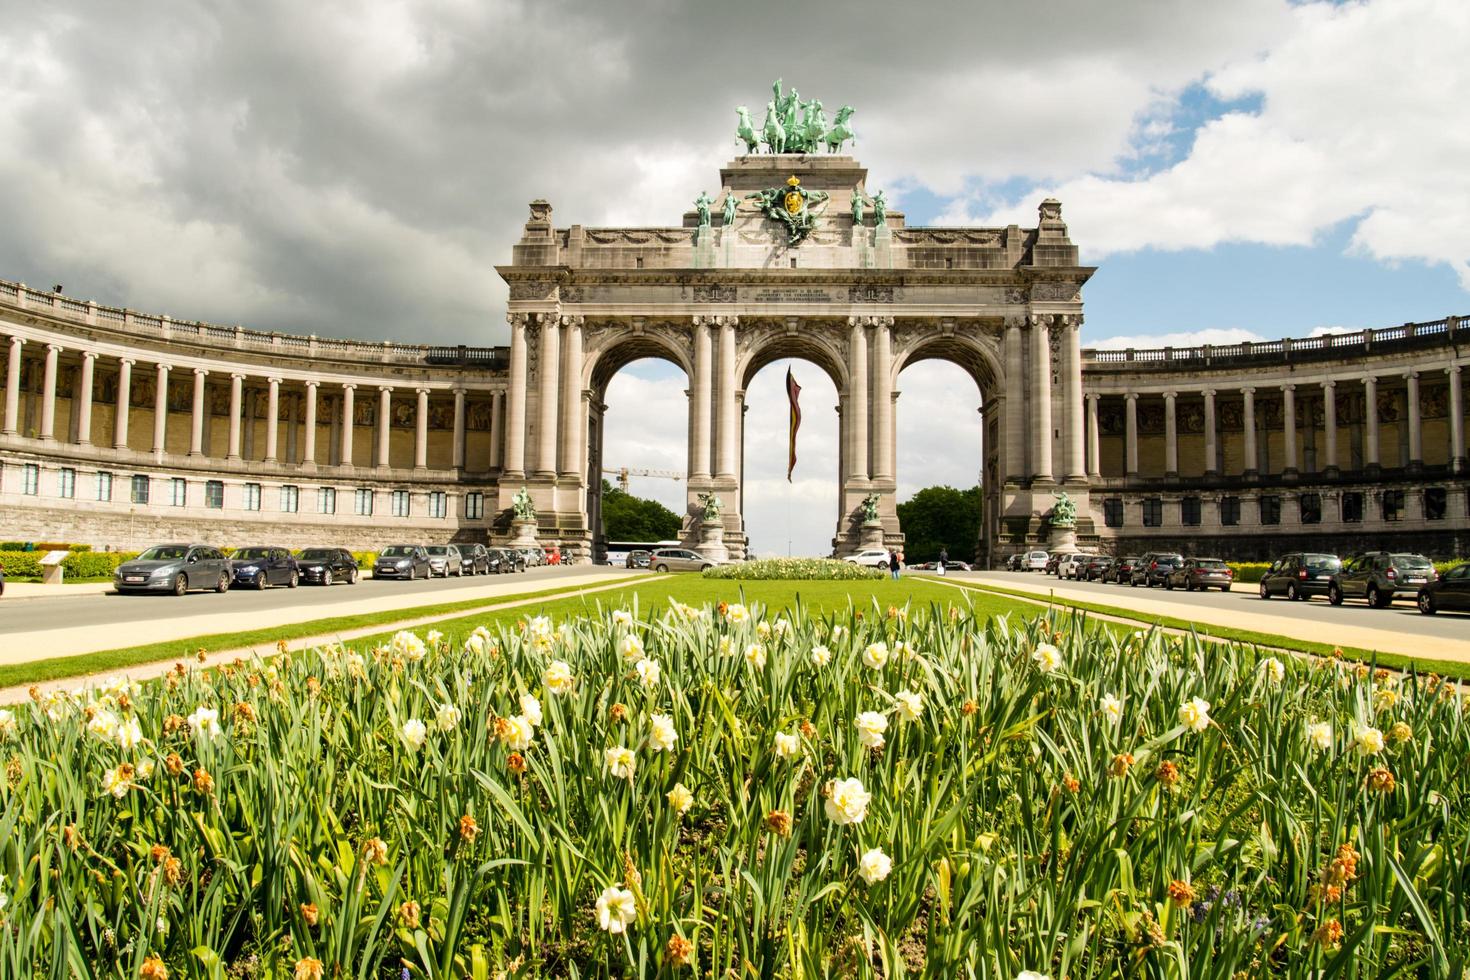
(701, 204)
(857, 206)
(710, 507)
(870, 508)
(731, 203)
(880, 210)
(1064, 512)
(524, 509)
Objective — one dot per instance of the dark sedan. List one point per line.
(476, 557)
(507, 560)
(1096, 568)
(1154, 568)
(327, 566)
(1122, 570)
(262, 567)
(175, 568)
(1450, 592)
(1300, 575)
(1200, 573)
(408, 561)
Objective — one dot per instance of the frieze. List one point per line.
(531, 290)
(1052, 292)
(624, 236)
(715, 294)
(477, 416)
(791, 294)
(925, 236)
(870, 294)
(572, 294)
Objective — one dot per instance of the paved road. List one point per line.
(312, 601)
(1220, 607)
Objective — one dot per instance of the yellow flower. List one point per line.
(847, 801)
(517, 732)
(680, 798)
(559, 679)
(876, 655)
(1368, 740)
(621, 762)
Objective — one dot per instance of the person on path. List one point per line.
(943, 557)
(893, 561)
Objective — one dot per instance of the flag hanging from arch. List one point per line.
(793, 395)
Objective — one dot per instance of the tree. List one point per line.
(938, 517)
(629, 518)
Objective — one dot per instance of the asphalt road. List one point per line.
(1402, 617)
(27, 615)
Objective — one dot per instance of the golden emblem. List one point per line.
(793, 203)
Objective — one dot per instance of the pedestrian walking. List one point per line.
(893, 561)
(943, 557)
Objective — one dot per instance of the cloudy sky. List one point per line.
(1253, 168)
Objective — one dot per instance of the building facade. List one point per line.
(122, 428)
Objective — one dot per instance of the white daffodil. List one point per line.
(1048, 658)
(1111, 707)
(558, 678)
(755, 655)
(1032, 975)
(847, 801)
(876, 655)
(1194, 714)
(735, 614)
(763, 630)
(781, 627)
(680, 798)
(407, 645)
(727, 646)
(621, 762)
(1368, 740)
(630, 647)
(871, 725)
(662, 736)
(531, 709)
(205, 721)
(821, 656)
(103, 724)
(118, 781)
(517, 732)
(910, 705)
(414, 734)
(1319, 735)
(8, 726)
(648, 673)
(129, 734)
(615, 909)
(787, 745)
(433, 637)
(838, 632)
(448, 717)
(621, 617)
(1273, 670)
(874, 866)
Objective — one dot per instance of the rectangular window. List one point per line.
(400, 503)
(1352, 507)
(474, 506)
(66, 483)
(252, 496)
(214, 494)
(1270, 508)
(364, 507)
(1229, 511)
(140, 489)
(1393, 505)
(1311, 504)
(104, 486)
(1189, 511)
(1436, 503)
(30, 479)
(1153, 512)
(326, 500)
(290, 499)
(178, 491)
(438, 504)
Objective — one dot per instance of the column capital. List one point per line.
(90, 355)
(1015, 321)
(1288, 387)
(383, 388)
(459, 389)
(1411, 375)
(1040, 320)
(349, 386)
(162, 366)
(1370, 379)
(313, 383)
(274, 381)
(1247, 390)
(1132, 396)
(1452, 370)
(424, 391)
(57, 348)
(236, 376)
(16, 341)
(1329, 384)
(1171, 395)
(1208, 392)
(199, 372)
(1092, 396)
(572, 320)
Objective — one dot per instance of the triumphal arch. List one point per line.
(793, 255)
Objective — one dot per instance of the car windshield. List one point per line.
(1170, 558)
(1316, 562)
(316, 554)
(1208, 563)
(245, 554)
(438, 549)
(1411, 561)
(165, 552)
(397, 551)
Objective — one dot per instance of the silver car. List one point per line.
(679, 560)
(1035, 561)
(175, 568)
(445, 560)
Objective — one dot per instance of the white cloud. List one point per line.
(1192, 338)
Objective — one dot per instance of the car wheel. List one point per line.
(294, 580)
(181, 584)
(1374, 599)
(1334, 594)
(1292, 593)
(352, 576)
(223, 585)
(327, 577)
(1426, 604)
(661, 568)
(1265, 593)
(261, 581)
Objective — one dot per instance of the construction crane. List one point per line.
(623, 472)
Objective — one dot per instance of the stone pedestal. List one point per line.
(1062, 540)
(712, 541)
(704, 248)
(870, 535)
(862, 253)
(883, 247)
(523, 534)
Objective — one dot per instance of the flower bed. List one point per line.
(870, 793)
(794, 569)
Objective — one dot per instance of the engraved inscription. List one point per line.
(791, 294)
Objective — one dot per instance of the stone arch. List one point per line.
(981, 361)
(619, 349)
(819, 343)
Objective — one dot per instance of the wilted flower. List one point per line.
(1194, 714)
(1120, 765)
(787, 745)
(1048, 658)
(875, 655)
(969, 707)
(516, 763)
(1273, 670)
(469, 829)
(680, 798)
(1319, 735)
(648, 673)
(871, 725)
(1168, 774)
(910, 705)
(779, 823)
(558, 678)
(821, 656)
(680, 951)
(203, 781)
(414, 733)
(615, 909)
(662, 735)
(118, 780)
(621, 762)
(1180, 892)
(1328, 934)
(874, 866)
(1385, 698)
(152, 969)
(755, 655)
(308, 968)
(1400, 732)
(1368, 740)
(1380, 780)
(448, 717)
(847, 801)
(1112, 708)
(408, 914)
(310, 915)
(375, 851)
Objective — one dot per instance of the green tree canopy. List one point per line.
(938, 517)
(629, 518)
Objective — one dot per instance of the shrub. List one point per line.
(365, 559)
(794, 569)
(21, 564)
(1249, 571)
(95, 564)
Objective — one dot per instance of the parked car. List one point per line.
(1154, 568)
(1035, 561)
(506, 560)
(402, 561)
(259, 567)
(1299, 575)
(1121, 571)
(1450, 592)
(476, 557)
(1052, 561)
(534, 555)
(1013, 563)
(1200, 573)
(327, 566)
(637, 558)
(679, 560)
(871, 557)
(1069, 566)
(175, 568)
(445, 560)
(1096, 568)
(1378, 576)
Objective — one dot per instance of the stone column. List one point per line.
(1094, 440)
(1288, 412)
(497, 430)
(1370, 422)
(699, 466)
(857, 397)
(344, 454)
(237, 382)
(1041, 399)
(84, 401)
(1212, 450)
(1457, 421)
(1076, 466)
(160, 410)
(1171, 435)
(48, 393)
(727, 407)
(1329, 426)
(124, 399)
(196, 419)
(1130, 436)
(458, 460)
(1015, 405)
(1251, 462)
(272, 427)
(549, 367)
(1416, 427)
(421, 431)
(571, 400)
(882, 397)
(515, 413)
(12, 386)
(308, 442)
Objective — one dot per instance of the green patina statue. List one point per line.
(880, 210)
(711, 506)
(857, 205)
(1064, 512)
(793, 126)
(745, 130)
(701, 204)
(794, 206)
(840, 132)
(521, 503)
(870, 509)
(731, 203)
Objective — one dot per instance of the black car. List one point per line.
(1095, 568)
(477, 558)
(327, 566)
(1378, 576)
(175, 568)
(507, 560)
(260, 567)
(1451, 592)
(1122, 569)
(408, 561)
(638, 558)
(1154, 568)
(1300, 574)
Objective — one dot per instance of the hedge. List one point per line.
(794, 569)
(42, 546)
(78, 564)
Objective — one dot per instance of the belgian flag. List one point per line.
(793, 395)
